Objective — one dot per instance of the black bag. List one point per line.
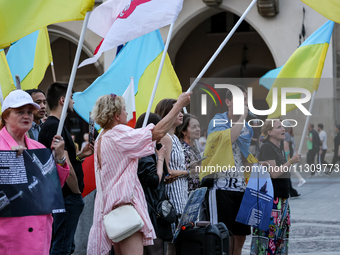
(166, 211)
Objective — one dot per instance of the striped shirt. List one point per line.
(178, 190)
(120, 149)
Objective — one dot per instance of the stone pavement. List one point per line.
(315, 218)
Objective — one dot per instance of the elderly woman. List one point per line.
(116, 160)
(188, 133)
(28, 234)
(272, 155)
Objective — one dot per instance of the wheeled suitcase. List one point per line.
(209, 240)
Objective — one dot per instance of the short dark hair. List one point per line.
(33, 91)
(164, 107)
(184, 126)
(153, 118)
(229, 95)
(312, 126)
(54, 92)
(320, 125)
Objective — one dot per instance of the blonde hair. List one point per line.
(105, 109)
(267, 126)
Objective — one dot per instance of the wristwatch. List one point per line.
(61, 162)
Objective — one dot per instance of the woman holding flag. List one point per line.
(116, 161)
(275, 239)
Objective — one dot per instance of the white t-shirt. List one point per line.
(323, 137)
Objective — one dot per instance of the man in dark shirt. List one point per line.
(313, 144)
(39, 98)
(65, 224)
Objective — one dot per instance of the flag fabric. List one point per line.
(89, 175)
(218, 149)
(21, 17)
(29, 57)
(129, 97)
(6, 81)
(302, 70)
(138, 18)
(104, 15)
(257, 202)
(328, 8)
(138, 59)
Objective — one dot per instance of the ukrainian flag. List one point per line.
(140, 59)
(218, 148)
(328, 8)
(306, 63)
(29, 58)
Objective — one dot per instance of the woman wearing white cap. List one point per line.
(28, 234)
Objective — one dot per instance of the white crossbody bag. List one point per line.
(122, 221)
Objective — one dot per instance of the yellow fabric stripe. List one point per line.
(328, 8)
(168, 86)
(6, 81)
(19, 18)
(218, 151)
(42, 59)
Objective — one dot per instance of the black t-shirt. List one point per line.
(270, 151)
(48, 131)
(336, 148)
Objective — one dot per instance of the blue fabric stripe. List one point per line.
(320, 36)
(131, 61)
(21, 54)
(268, 79)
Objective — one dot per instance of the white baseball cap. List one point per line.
(16, 99)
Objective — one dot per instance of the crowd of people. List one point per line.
(147, 165)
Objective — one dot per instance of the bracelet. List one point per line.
(78, 159)
(188, 172)
(160, 160)
(290, 161)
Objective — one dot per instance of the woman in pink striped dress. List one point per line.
(116, 161)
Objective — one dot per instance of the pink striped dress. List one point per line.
(120, 149)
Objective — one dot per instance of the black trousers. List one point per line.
(311, 159)
(323, 157)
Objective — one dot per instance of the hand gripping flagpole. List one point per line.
(73, 73)
(221, 46)
(158, 75)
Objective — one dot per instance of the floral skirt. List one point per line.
(275, 239)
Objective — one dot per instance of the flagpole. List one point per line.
(53, 72)
(306, 124)
(221, 46)
(158, 74)
(73, 73)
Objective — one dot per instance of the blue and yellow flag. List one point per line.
(29, 57)
(218, 148)
(328, 8)
(139, 59)
(306, 63)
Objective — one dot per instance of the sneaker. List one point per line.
(301, 183)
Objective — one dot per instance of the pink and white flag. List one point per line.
(138, 18)
(129, 97)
